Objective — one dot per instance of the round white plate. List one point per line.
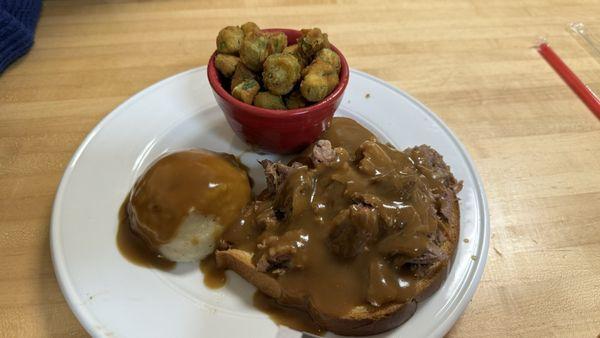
(112, 297)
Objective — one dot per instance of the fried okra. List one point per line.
(226, 64)
(246, 90)
(295, 51)
(320, 78)
(280, 73)
(290, 77)
(229, 40)
(250, 27)
(254, 50)
(269, 101)
(295, 100)
(330, 57)
(312, 41)
(277, 42)
(241, 74)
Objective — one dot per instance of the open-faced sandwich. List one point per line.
(353, 232)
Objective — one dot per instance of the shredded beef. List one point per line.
(353, 228)
(280, 253)
(433, 254)
(323, 152)
(276, 173)
(426, 156)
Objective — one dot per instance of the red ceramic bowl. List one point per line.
(278, 131)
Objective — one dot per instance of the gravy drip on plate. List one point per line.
(214, 277)
(133, 248)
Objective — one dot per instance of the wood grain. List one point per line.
(535, 144)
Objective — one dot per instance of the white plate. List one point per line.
(112, 297)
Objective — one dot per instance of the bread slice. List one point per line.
(364, 319)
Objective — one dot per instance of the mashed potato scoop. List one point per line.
(185, 200)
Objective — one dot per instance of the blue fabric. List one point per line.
(18, 19)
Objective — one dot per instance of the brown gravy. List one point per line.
(343, 257)
(206, 182)
(347, 133)
(133, 248)
(185, 181)
(214, 277)
(286, 316)
(345, 234)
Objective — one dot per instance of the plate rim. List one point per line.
(91, 324)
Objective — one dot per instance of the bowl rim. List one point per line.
(336, 93)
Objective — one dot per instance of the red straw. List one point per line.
(585, 94)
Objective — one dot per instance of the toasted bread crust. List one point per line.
(362, 320)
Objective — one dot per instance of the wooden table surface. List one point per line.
(535, 144)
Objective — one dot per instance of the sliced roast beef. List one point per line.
(432, 255)
(266, 220)
(374, 161)
(426, 156)
(412, 249)
(294, 195)
(352, 229)
(444, 203)
(280, 253)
